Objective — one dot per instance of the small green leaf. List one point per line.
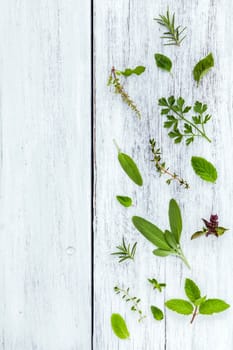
(170, 239)
(157, 313)
(130, 168)
(162, 253)
(202, 67)
(211, 306)
(192, 291)
(124, 200)
(138, 70)
(163, 62)
(198, 234)
(180, 306)
(175, 219)
(204, 169)
(200, 301)
(221, 230)
(119, 326)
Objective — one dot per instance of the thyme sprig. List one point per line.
(163, 169)
(119, 89)
(125, 252)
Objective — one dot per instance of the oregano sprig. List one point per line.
(181, 127)
(125, 252)
(156, 285)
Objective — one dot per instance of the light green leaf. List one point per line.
(138, 70)
(170, 239)
(221, 230)
(119, 326)
(175, 219)
(130, 168)
(211, 306)
(157, 313)
(162, 253)
(150, 232)
(192, 291)
(202, 67)
(124, 200)
(198, 302)
(180, 306)
(163, 62)
(204, 169)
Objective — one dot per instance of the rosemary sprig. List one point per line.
(119, 89)
(133, 300)
(125, 252)
(173, 35)
(161, 166)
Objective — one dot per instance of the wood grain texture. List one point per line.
(45, 162)
(126, 36)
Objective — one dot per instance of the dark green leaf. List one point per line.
(163, 62)
(204, 169)
(198, 234)
(175, 219)
(119, 326)
(180, 306)
(202, 67)
(157, 313)
(138, 70)
(124, 200)
(192, 291)
(211, 306)
(130, 168)
(170, 239)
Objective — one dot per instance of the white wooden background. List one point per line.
(126, 36)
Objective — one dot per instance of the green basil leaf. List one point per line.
(157, 313)
(124, 200)
(204, 169)
(175, 219)
(150, 232)
(202, 67)
(170, 239)
(163, 62)
(162, 253)
(180, 306)
(119, 326)
(192, 291)
(130, 168)
(138, 70)
(211, 306)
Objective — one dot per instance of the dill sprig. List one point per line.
(119, 89)
(173, 35)
(161, 166)
(125, 252)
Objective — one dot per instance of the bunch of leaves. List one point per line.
(173, 35)
(129, 166)
(167, 242)
(156, 284)
(163, 62)
(125, 252)
(124, 200)
(119, 326)
(161, 167)
(157, 313)
(114, 80)
(181, 127)
(211, 228)
(204, 169)
(134, 301)
(203, 67)
(196, 304)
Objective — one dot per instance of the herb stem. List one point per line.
(194, 314)
(183, 258)
(117, 147)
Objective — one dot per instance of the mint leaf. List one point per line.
(163, 62)
(119, 326)
(202, 67)
(199, 301)
(138, 70)
(124, 200)
(180, 306)
(211, 306)
(175, 219)
(162, 253)
(204, 169)
(192, 291)
(157, 313)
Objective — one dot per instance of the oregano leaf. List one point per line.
(211, 306)
(202, 67)
(175, 219)
(204, 169)
(119, 326)
(180, 306)
(163, 62)
(157, 313)
(137, 70)
(124, 200)
(192, 291)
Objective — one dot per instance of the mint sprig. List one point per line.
(204, 169)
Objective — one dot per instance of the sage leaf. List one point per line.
(163, 62)
(192, 291)
(202, 67)
(170, 239)
(150, 232)
(124, 200)
(162, 253)
(138, 71)
(175, 219)
(119, 326)
(211, 306)
(180, 306)
(157, 313)
(204, 169)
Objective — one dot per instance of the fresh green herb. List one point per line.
(124, 200)
(156, 284)
(129, 166)
(119, 326)
(128, 71)
(161, 166)
(203, 67)
(173, 35)
(135, 302)
(119, 89)
(204, 169)
(197, 303)
(157, 313)
(163, 62)
(125, 251)
(168, 242)
(211, 228)
(175, 112)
